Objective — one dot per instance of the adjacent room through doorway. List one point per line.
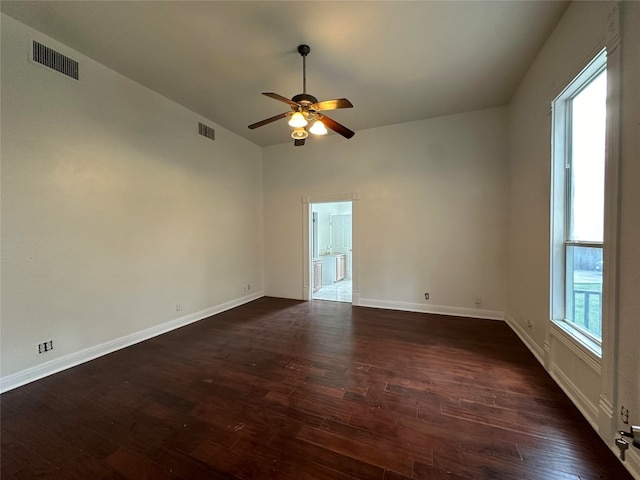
(331, 251)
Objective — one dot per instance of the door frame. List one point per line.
(307, 232)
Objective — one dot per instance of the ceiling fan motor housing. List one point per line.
(304, 98)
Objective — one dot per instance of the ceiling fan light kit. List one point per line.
(297, 120)
(318, 128)
(299, 133)
(305, 108)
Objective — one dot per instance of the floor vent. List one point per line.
(206, 131)
(55, 60)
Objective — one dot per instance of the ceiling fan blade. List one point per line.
(298, 142)
(331, 105)
(336, 127)
(269, 120)
(280, 98)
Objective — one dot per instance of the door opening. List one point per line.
(331, 251)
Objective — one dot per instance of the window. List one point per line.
(579, 132)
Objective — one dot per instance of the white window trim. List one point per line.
(559, 223)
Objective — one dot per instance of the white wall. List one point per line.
(431, 215)
(585, 28)
(113, 211)
(628, 361)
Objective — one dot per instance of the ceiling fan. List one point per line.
(305, 108)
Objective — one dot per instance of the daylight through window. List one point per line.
(578, 188)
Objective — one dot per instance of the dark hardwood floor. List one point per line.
(279, 389)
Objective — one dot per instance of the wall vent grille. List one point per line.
(206, 131)
(55, 60)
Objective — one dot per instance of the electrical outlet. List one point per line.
(426, 296)
(178, 307)
(45, 346)
(529, 325)
(477, 300)
(624, 415)
(248, 287)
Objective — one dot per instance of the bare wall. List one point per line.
(431, 214)
(114, 210)
(628, 361)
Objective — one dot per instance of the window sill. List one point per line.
(580, 344)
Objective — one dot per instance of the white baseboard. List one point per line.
(15, 380)
(437, 309)
(526, 339)
(632, 461)
(588, 410)
(586, 407)
(605, 418)
(355, 299)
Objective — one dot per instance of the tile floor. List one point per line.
(338, 292)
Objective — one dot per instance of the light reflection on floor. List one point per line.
(338, 292)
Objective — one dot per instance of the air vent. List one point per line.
(55, 60)
(206, 131)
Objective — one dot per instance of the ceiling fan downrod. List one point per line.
(304, 99)
(304, 51)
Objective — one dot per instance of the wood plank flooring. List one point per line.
(280, 389)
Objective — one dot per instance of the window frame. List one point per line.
(561, 202)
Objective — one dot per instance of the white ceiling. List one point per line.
(396, 61)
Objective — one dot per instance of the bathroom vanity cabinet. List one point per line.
(334, 268)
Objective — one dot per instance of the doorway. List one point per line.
(331, 259)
